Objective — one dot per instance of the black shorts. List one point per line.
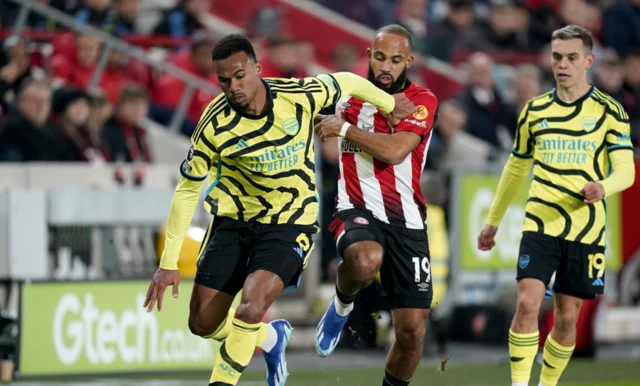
(406, 265)
(579, 267)
(236, 249)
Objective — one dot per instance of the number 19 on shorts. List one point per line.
(420, 265)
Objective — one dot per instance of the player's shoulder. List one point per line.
(307, 84)
(612, 106)
(421, 95)
(215, 107)
(540, 101)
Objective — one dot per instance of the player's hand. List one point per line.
(486, 239)
(403, 109)
(592, 192)
(319, 118)
(329, 127)
(161, 280)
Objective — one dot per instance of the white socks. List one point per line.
(271, 339)
(341, 309)
(520, 384)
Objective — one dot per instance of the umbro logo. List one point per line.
(544, 124)
(241, 145)
(598, 283)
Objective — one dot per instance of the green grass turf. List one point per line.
(579, 373)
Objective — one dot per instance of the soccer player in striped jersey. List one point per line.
(578, 140)
(256, 142)
(379, 223)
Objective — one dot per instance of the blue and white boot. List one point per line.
(276, 364)
(329, 329)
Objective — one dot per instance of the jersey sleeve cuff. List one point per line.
(185, 172)
(619, 147)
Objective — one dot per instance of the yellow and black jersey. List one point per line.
(570, 144)
(263, 165)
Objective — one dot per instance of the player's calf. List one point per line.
(410, 327)
(530, 295)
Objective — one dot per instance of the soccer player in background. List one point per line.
(256, 140)
(573, 136)
(379, 223)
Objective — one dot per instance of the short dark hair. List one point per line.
(574, 32)
(396, 29)
(232, 44)
(133, 92)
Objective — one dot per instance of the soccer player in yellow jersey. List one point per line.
(578, 140)
(256, 142)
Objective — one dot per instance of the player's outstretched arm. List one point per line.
(359, 87)
(513, 175)
(181, 210)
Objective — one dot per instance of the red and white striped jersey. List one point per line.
(391, 192)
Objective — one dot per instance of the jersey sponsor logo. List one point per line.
(422, 124)
(348, 147)
(278, 159)
(367, 127)
(422, 113)
(523, 261)
(190, 154)
(241, 145)
(565, 150)
(291, 126)
(361, 221)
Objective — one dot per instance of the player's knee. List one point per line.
(365, 263)
(410, 336)
(565, 319)
(199, 328)
(251, 312)
(527, 306)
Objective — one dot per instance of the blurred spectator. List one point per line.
(489, 118)
(547, 79)
(345, 57)
(306, 55)
(582, 13)
(443, 37)
(621, 28)
(506, 29)
(528, 86)
(609, 74)
(452, 120)
(126, 13)
(14, 68)
(168, 90)
(26, 134)
(100, 112)
(281, 60)
(412, 14)
(96, 12)
(183, 19)
(71, 110)
(367, 12)
(76, 68)
(9, 14)
(123, 135)
(631, 92)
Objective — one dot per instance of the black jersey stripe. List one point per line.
(614, 132)
(519, 127)
(564, 172)
(559, 188)
(537, 220)
(295, 87)
(559, 209)
(266, 207)
(308, 162)
(590, 222)
(596, 164)
(613, 102)
(268, 124)
(204, 156)
(211, 112)
(208, 144)
(599, 239)
(620, 148)
(229, 126)
(237, 184)
(294, 194)
(300, 212)
(576, 111)
(234, 198)
(543, 106)
(572, 133)
(250, 181)
(614, 111)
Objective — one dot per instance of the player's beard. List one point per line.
(393, 87)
